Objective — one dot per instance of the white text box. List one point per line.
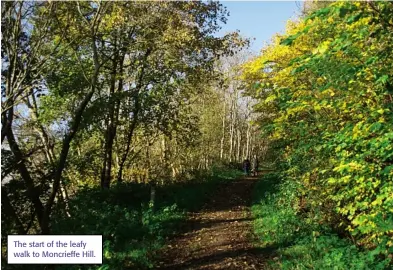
(54, 249)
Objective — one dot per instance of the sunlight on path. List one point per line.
(218, 236)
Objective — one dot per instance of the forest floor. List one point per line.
(219, 236)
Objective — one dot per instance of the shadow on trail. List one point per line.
(239, 258)
(232, 195)
(219, 236)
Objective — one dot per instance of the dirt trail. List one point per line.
(220, 235)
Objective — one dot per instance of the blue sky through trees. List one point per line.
(259, 20)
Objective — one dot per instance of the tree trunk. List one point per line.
(152, 196)
(231, 133)
(67, 140)
(135, 119)
(239, 140)
(10, 211)
(248, 141)
(223, 132)
(32, 191)
(128, 140)
(111, 129)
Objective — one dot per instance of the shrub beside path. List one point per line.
(219, 236)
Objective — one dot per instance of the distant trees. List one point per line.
(239, 137)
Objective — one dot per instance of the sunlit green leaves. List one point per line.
(337, 103)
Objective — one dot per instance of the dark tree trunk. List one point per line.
(109, 134)
(134, 123)
(10, 211)
(128, 141)
(32, 191)
(114, 108)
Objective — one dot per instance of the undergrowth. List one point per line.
(300, 242)
(132, 231)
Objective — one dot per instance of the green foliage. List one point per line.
(132, 231)
(327, 252)
(301, 242)
(275, 209)
(328, 90)
(91, 87)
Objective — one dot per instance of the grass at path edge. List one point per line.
(299, 242)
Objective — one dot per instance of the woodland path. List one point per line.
(219, 236)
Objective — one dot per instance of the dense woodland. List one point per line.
(120, 117)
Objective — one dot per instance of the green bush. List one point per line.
(276, 218)
(328, 252)
(300, 241)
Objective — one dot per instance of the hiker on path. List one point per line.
(246, 167)
(255, 166)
